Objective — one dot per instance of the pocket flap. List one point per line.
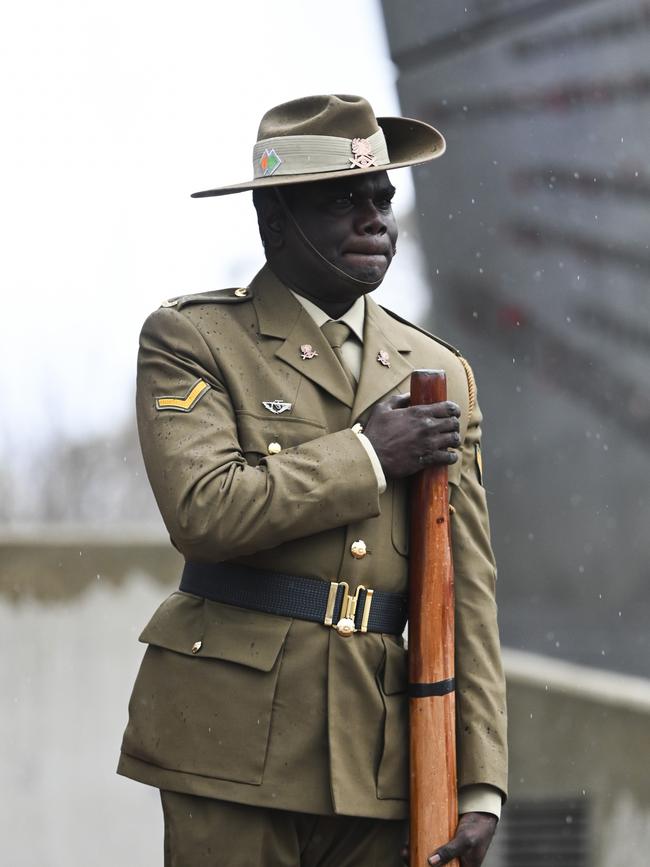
(256, 432)
(395, 669)
(225, 632)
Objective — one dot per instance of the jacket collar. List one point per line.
(386, 338)
(282, 317)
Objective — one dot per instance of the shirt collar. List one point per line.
(354, 318)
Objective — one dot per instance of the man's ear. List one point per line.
(275, 223)
(270, 219)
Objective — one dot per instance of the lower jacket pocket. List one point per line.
(392, 775)
(400, 526)
(203, 698)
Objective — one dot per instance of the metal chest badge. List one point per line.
(276, 406)
(383, 358)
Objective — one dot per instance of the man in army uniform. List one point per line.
(278, 439)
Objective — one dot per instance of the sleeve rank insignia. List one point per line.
(187, 403)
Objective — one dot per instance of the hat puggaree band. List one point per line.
(304, 154)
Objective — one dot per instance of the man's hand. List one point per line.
(474, 834)
(407, 438)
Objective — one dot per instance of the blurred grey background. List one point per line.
(526, 246)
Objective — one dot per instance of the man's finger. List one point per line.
(438, 457)
(443, 425)
(453, 849)
(442, 441)
(444, 409)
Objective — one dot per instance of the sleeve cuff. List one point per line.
(480, 798)
(374, 460)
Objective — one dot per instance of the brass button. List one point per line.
(274, 448)
(358, 549)
(345, 627)
(197, 646)
(241, 292)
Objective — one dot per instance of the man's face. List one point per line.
(350, 221)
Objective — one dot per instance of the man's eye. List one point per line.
(342, 201)
(385, 203)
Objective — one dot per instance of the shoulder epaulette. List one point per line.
(471, 382)
(216, 296)
(423, 331)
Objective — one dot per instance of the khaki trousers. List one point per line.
(202, 832)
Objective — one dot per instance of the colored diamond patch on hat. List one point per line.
(269, 162)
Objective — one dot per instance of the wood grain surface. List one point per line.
(433, 787)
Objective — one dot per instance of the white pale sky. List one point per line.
(113, 113)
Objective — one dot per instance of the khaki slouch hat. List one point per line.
(324, 137)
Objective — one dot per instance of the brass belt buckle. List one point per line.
(346, 625)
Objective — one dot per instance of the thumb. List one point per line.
(398, 401)
(453, 849)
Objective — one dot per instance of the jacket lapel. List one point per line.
(285, 320)
(382, 334)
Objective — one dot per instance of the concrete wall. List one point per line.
(582, 736)
(70, 614)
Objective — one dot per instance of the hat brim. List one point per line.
(409, 143)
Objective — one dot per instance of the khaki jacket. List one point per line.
(274, 711)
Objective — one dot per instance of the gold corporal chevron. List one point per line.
(184, 404)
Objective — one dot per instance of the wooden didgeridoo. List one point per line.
(433, 794)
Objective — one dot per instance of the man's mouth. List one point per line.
(367, 254)
(367, 249)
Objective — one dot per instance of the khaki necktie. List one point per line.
(336, 333)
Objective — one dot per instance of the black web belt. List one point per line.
(329, 603)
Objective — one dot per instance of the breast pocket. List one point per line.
(260, 436)
(401, 524)
(203, 699)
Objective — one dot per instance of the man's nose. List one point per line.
(371, 221)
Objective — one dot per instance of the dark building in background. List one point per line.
(535, 225)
